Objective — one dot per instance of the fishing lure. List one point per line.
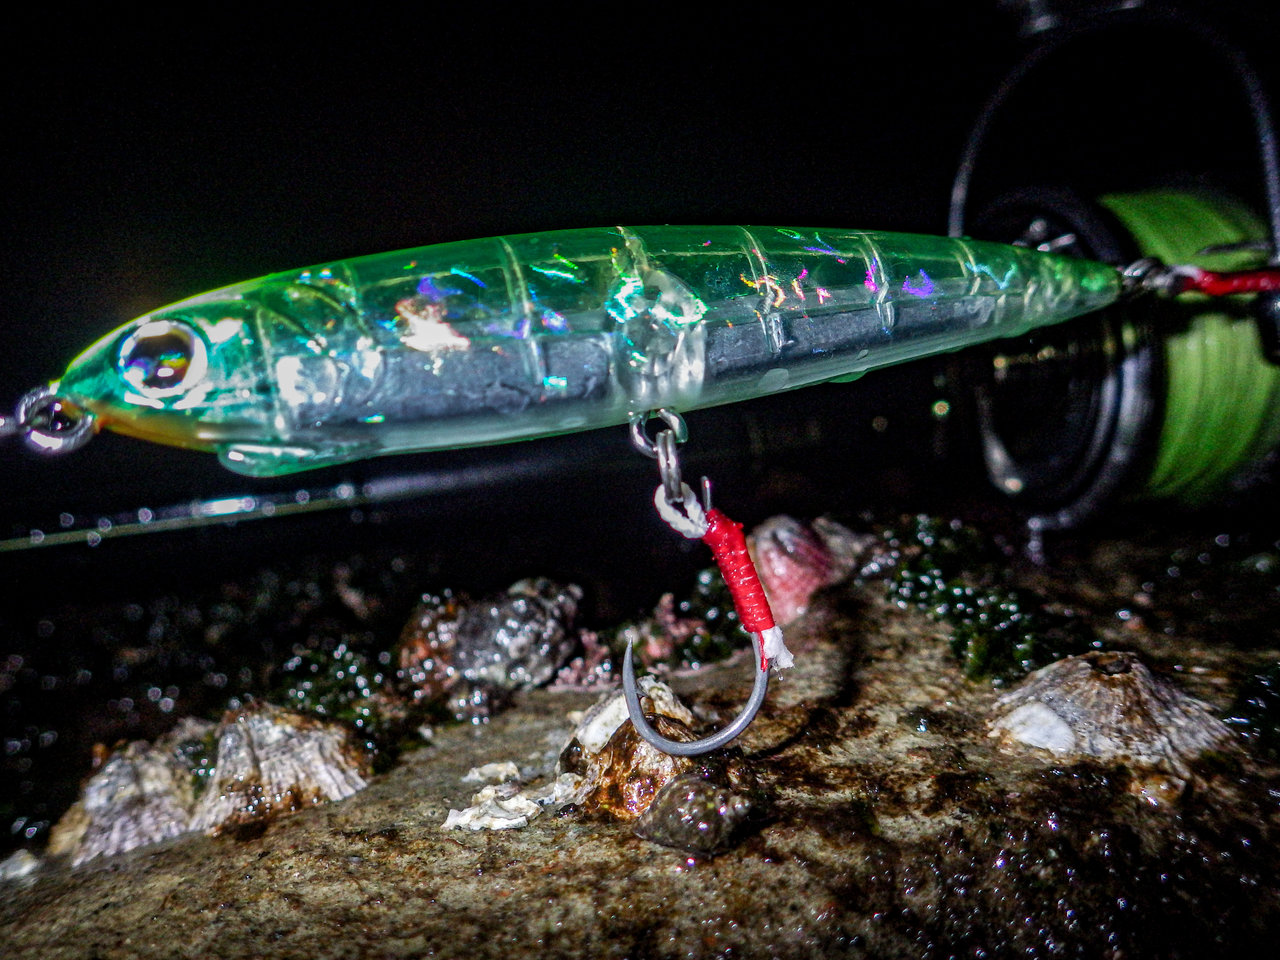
(488, 341)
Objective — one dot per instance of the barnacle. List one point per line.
(795, 560)
(142, 793)
(273, 761)
(1109, 706)
(269, 761)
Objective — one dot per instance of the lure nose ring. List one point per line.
(695, 747)
(48, 422)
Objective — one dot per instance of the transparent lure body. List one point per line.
(493, 340)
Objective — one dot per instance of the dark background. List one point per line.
(146, 158)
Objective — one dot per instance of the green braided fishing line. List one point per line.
(1222, 399)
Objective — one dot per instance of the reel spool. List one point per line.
(1151, 399)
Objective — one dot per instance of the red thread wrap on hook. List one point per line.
(729, 547)
(1225, 283)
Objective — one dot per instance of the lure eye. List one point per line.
(163, 358)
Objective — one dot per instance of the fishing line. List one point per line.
(1209, 402)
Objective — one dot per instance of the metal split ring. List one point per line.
(640, 439)
(49, 423)
(669, 467)
(663, 448)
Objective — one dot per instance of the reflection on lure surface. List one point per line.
(492, 340)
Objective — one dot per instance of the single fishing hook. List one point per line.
(680, 508)
(694, 747)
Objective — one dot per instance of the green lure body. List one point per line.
(508, 338)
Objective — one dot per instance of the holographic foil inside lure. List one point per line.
(487, 341)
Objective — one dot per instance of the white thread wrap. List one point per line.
(692, 524)
(775, 649)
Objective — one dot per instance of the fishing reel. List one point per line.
(1155, 398)
(1150, 399)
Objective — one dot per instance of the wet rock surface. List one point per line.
(894, 825)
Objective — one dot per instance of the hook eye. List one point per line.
(163, 358)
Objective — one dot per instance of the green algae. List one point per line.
(339, 684)
(958, 577)
(199, 755)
